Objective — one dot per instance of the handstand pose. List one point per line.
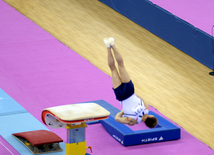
(134, 109)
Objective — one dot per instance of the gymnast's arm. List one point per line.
(119, 118)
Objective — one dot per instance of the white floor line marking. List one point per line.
(6, 148)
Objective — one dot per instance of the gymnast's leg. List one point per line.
(125, 78)
(116, 81)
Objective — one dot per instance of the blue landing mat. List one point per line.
(164, 131)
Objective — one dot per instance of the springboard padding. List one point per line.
(39, 141)
(39, 137)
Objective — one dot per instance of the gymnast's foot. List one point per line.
(106, 41)
(111, 41)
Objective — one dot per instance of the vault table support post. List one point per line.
(76, 143)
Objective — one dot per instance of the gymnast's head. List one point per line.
(151, 121)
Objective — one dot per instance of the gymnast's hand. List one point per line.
(124, 120)
(119, 118)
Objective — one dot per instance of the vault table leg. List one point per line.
(76, 143)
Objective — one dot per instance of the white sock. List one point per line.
(111, 41)
(106, 41)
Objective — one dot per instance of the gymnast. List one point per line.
(134, 110)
